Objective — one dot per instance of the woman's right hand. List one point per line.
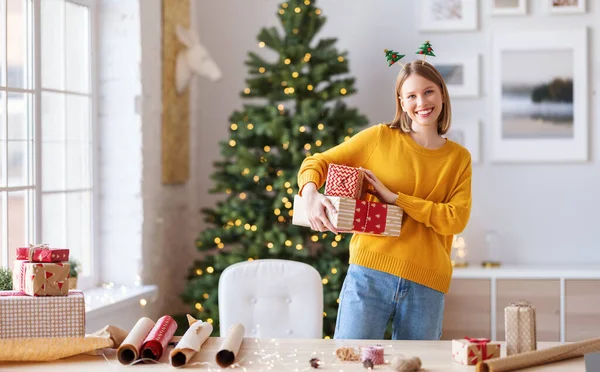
(317, 206)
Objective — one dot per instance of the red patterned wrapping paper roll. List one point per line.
(158, 338)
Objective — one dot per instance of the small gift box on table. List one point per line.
(42, 253)
(356, 216)
(41, 278)
(23, 316)
(346, 182)
(469, 351)
(519, 323)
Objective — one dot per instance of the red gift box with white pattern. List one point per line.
(346, 182)
(42, 254)
(23, 316)
(41, 278)
(470, 351)
(356, 216)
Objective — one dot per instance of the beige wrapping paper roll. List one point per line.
(231, 345)
(190, 343)
(129, 350)
(47, 349)
(540, 357)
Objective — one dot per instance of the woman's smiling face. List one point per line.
(422, 100)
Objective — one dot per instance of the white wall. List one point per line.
(545, 213)
(119, 129)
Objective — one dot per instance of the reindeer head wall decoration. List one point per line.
(194, 59)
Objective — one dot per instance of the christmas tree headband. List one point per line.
(392, 57)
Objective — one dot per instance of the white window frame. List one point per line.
(90, 280)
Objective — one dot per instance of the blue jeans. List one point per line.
(369, 298)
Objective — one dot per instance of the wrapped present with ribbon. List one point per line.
(24, 317)
(355, 216)
(346, 182)
(42, 253)
(519, 324)
(469, 351)
(41, 278)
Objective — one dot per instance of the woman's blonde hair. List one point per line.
(426, 70)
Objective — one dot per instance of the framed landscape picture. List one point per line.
(540, 96)
(447, 15)
(566, 6)
(509, 7)
(461, 74)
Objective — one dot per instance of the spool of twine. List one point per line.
(374, 353)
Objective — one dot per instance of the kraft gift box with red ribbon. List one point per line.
(42, 253)
(469, 351)
(41, 278)
(346, 182)
(23, 316)
(355, 216)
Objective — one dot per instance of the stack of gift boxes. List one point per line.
(520, 330)
(40, 304)
(346, 188)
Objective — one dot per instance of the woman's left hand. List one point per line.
(379, 190)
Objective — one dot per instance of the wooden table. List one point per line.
(289, 355)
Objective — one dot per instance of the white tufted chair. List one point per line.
(272, 298)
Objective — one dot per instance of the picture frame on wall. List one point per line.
(509, 7)
(447, 15)
(540, 96)
(567, 6)
(461, 74)
(468, 135)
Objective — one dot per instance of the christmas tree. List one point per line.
(426, 50)
(295, 109)
(392, 57)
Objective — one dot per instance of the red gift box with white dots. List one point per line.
(41, 278)
(42, 254)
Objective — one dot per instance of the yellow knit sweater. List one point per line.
(434, 190)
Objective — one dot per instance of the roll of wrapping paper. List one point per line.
(540, 357)
(158, 338)
(129, 351)
(190, 342)
(231, 345)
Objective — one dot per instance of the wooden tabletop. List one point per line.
(290, 355)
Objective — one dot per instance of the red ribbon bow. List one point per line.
(481, 345)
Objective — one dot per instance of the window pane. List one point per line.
(18, 220)
(77, 47)
(54, 220)
(53, 166)
(17, 162)
(16, 42)
(79, 228)
(78, 119)
(53, 116)
(53, 44)
(20, 142)
(2, 139)
(78, 166)
(3, 243)
(2, 42)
